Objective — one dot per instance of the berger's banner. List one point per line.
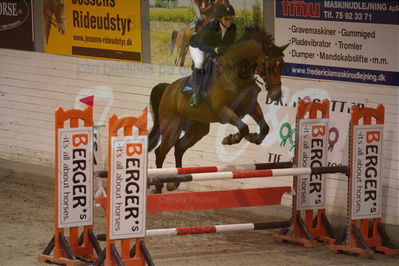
(366, 172)
(128, 187)
(16, 31)
(103, 29)
(313, 141)
(75, 175)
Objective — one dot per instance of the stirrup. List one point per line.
(194, 101)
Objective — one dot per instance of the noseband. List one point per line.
(272, 65)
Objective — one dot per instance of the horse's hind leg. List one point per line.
(183, 56)
(193, 134)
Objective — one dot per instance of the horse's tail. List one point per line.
(173, 41)
(155, 100)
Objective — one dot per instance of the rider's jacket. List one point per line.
(210, 37)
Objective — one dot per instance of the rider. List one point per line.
(213, 39)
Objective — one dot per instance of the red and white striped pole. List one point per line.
(216, 229)
(247, 174)
(209, 169)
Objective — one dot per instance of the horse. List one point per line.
(53, 14)
(232, 94)
(181, 38)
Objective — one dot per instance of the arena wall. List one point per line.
(33, 85)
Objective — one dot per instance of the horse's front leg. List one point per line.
(257, 115)
(229, 116)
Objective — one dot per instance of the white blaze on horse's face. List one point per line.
(61, 21)
(272, 77)
(272, 74)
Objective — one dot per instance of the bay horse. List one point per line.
(53, 14)
(232, 94)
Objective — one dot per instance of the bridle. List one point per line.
(271, 65)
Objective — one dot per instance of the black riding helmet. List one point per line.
(225, 10)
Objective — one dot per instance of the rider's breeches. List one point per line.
(198, 57)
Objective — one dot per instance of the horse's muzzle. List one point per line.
(274, 94)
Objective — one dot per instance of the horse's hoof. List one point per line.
(254, 138)
(228, 140)
(172, 186)
(158, 189)
(231, 139)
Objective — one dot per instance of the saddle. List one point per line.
(208, 69)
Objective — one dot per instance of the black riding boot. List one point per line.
(196, 84)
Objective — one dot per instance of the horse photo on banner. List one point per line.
(173, 23)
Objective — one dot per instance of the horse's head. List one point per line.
(59, 12)
(270, 61)
(270, 68)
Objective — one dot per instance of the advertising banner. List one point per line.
(128, 187)
(75, 175)
(16, 27)
(366, 172)
(313, 141)
(103, 29)
(353, 41)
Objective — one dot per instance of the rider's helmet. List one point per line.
(225, 10)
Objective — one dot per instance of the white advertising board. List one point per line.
(313, 141)
(75, 177)
(366, 172)
(128, 187)
(353, 41)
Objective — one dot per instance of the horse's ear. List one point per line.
(282, 48)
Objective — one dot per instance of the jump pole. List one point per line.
(212, 229)
(73, 189)
(152, 172)
(365, 187)
(157, 203)
(216, 229)
(311, 150)
(248, 174)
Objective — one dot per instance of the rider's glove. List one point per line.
(220, 50)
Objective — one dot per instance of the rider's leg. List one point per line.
(198, 57)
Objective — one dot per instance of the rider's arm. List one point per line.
(232, 35)
(206, 39)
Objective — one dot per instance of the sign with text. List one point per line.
(16, 30)
(128, 187)
(313, 141)
(340, 40)
(366, 172)
(75, 177)
(103, 29)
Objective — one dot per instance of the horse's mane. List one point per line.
(262, 36)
